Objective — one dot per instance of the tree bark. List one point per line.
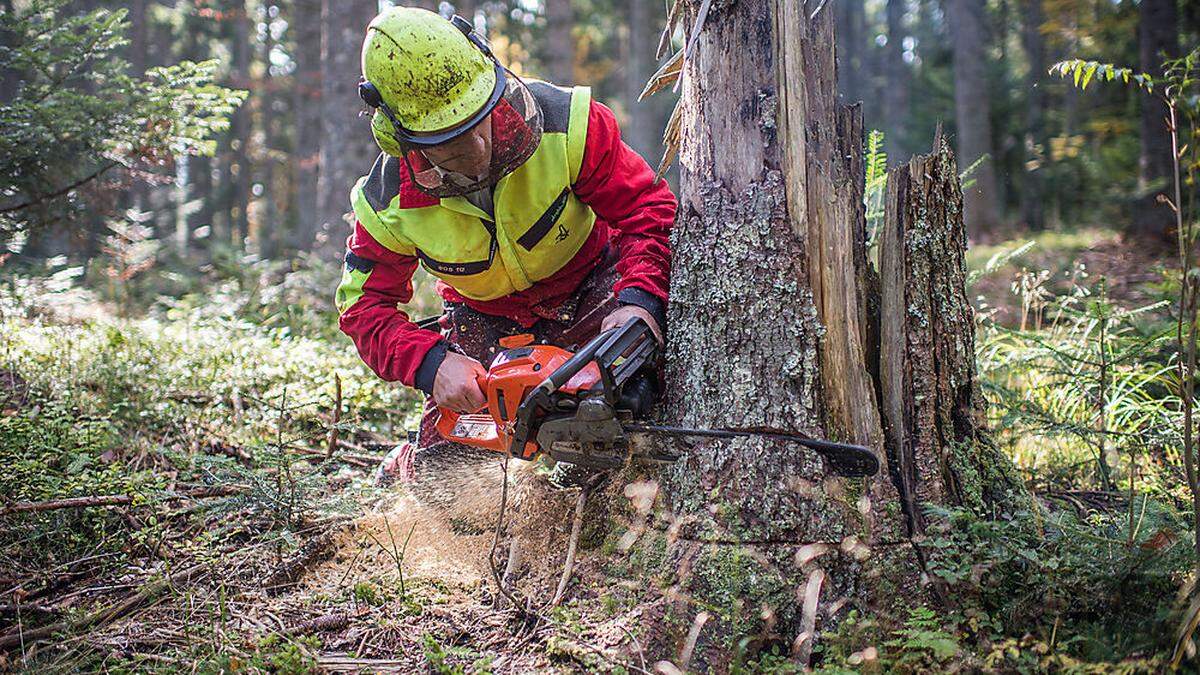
(1034, 45)
(1158, 40)
(347, 147)
(560, 45)
(306, 106)
(973, 113)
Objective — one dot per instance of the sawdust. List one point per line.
(450, 509)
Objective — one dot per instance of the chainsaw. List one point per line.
(584, 407)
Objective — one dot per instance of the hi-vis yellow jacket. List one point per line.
(554, 216)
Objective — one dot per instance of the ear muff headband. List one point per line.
(371, 96)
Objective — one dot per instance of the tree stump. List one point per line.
(932, 407)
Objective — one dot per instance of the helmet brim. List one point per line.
(425, 140)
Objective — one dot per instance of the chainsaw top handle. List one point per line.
(619, 352)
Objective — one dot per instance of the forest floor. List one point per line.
(237, 541)
(239, 538)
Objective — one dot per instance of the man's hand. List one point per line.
(454, 386)
(619, 316)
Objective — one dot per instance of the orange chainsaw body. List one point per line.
(513, 375)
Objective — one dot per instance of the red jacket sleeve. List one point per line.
(375, 283)
(619, 186)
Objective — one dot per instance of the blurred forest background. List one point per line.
(181, 420)
(274, 183)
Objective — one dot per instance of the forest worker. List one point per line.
(520, 197)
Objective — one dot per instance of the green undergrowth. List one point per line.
(157, 408)
(1031, 594)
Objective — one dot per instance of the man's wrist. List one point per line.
(427, 371)
(639, 297)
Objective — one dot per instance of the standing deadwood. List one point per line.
(347, 148)
(773, 325)
(973, 111)
(305, 21)
(768, 328)
(560, 45)
(1158, 40)
(933, 411)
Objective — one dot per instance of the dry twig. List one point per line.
(116, 500)
(101, 617)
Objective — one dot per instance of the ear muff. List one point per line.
(381, 126)
(385, 134)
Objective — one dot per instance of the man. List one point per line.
(520, 197)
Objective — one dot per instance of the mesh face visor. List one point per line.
(516, 126)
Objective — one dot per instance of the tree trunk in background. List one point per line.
(137, 37)
(972, 108)
(1158, 40)
(196, 196)
(347, 148)
(638, 131)
(1032, 191)
(239, 129)
(560, 45)
(932, 406)
(267, 229)
(464, 8)
(8, 77)
(851, 47)
(306, 107)
(895, 93)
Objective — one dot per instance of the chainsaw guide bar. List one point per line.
(584, 410)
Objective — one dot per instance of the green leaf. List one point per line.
(1089, 71)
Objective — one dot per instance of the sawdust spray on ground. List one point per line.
(450, 509)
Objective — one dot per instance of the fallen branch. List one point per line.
(115, 500)
(103, 616)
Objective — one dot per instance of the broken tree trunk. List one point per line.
(768, 328)
(938, 443)
(773, 324)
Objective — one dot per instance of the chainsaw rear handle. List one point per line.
(605, 349)
(452, 416)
